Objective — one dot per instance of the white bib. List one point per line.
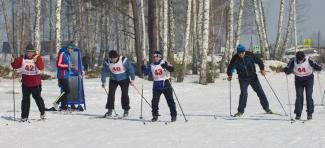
(117, 68)
(303, 69)
(159, 73)
(29, 67)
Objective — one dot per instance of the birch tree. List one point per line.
(229, 42)
(281, 52)
(165, 28)
(171, 32)
(58, 25)
(205, 43)
(279, 32)
(138, 49)
(37, 25)
(239, 22)
(186, 44)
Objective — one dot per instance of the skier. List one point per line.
(303, 67)
(120, 72)
(31, 65)
(160, 70)
(64, 68)
(244, 63)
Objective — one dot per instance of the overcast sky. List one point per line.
(313, 20)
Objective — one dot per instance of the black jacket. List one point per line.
(245, 66)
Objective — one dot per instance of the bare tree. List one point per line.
(37, 25)
(186, 44)
(205, 43)
(58, 25)
(138, 49)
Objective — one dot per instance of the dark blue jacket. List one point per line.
(312, 63)
(158, 85)
(245, 66)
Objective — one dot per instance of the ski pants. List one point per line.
(255, 84)
(307, 85)
(64, 84)
(168, 93)
(125, 101)
(25, 103)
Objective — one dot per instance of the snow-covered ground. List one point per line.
(200, 103)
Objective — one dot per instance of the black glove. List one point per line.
(286, 70)
(164, 65)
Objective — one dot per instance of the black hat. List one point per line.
(112, 54)
(30, 48)
(300, 56)
(156, 54)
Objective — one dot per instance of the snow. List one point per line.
(200, 103)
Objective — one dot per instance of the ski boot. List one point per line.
(173, 119)
(154, 119)
(108, 113)
(268, 111)
(126, 113)
(238, 114)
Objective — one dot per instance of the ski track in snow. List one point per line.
(201, 103)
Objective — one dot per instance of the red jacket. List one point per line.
(29, 80)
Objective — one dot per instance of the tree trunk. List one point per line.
(58, 25)
(186, 44)
(239, 22)
(263, 29)
(9, 30)
(279, 33)
(165, 28)
(286, 39)
(152, 26)
(171, 33)
(144, 31)
(138, 49)
(37, 25)
(194, 38)
(205, 44)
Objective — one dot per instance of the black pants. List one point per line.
(125, 101)
(64, 84)
(25, 103)
(300, 85)
(255, 83)
(168, 93)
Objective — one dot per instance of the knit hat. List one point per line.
(30, 48)
(112, 54)
(156, 54)
(300, 56)
(71, 45)
(241, 48)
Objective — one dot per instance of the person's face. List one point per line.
(156, 58)
(301, 61)
(29, 54)
(70, 50)
(114, 60)
(241, 54)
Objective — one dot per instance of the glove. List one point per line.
(35, 58)
(286, 70)
(132, 82)
(72, 66)
(263, 72)
(103, 85)
(164, 65)
(229, 78)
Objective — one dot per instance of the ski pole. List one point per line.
(107, 95)
(179, 104)
(13, 93)
(289, 99)
(230, 98)
(320, 89)
(141, 95)
(275, 95)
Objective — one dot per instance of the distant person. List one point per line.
(120, 72)
(31, 64)
(85, 62)
(244, 63)
(303, 67)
